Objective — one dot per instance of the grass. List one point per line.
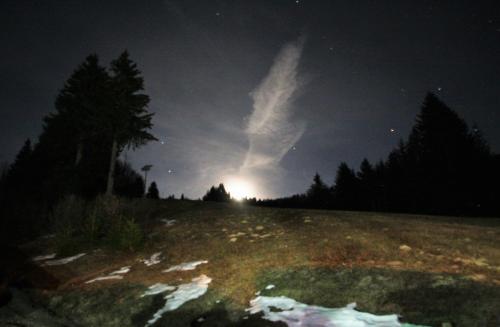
(449, 273)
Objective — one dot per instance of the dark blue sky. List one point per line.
(363, 69)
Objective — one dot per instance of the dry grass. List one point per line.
(273, 239)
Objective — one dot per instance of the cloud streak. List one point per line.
(270, 129)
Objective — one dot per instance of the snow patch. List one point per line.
(184, 293)
(62, 261)
(296, 314)
(168, 222)
(117, 274)
(186, 266)
(270, 287)
(121, 271)
(104, 278)
(44, 257)
(153, 260)
(157, 289)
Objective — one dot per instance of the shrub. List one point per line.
(125, 234)
(78, 224)
(66, 218)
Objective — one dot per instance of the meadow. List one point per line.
(430, 270)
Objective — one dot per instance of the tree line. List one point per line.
(98, 113)
(443, 167)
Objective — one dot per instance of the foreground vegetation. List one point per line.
(428, 269)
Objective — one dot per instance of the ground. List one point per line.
(429, 270)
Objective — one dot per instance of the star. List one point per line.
(294, 148)
(162, 142)
(297, 1)
(439, 89)
(217, 14)
(170, 171)
(392, 130)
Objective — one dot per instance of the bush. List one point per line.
(125, 234)
(65, 219)
(79, 224)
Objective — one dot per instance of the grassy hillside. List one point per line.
(430, 270)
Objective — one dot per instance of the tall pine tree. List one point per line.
(346, 188)
(126, 120)
(319, 194)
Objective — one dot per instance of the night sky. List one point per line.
(267, 92)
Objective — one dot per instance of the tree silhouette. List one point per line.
(319, 194)
(218, 194)
(128, 182)
(70, 155)
(81, 101)
(346, 188)
(153, 192)
(367, 186)
(126, 119)
(444, 159)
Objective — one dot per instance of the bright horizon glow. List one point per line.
(239, 188)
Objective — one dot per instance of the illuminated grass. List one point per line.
(451, 273)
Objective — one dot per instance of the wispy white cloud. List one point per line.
(270, 130)
(205, 145)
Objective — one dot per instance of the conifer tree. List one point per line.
(346, 188)
(79, 105)
(218, 194)
(366, 177)
(126, 120)
(318, 194)
(153, 192)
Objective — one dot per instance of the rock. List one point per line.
(405, 248)
(233, 239)
(259, 227)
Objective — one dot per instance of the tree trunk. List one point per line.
(145, 184)
(79, 151)
(111, 172)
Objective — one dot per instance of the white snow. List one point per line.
(121, 271)
(104, 278)
(184, 293)
(117, 274)
(186, 266)
(270, 287)
(155, 259)
(168, 222)
(62, 261)
(296, 314)
(44, 257)
(157, 289)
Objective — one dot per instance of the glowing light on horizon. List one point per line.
(240, 188)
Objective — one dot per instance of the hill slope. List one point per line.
(429, 270)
